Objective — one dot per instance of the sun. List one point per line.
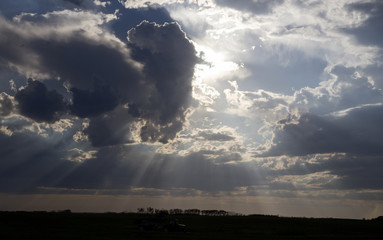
(214, 65)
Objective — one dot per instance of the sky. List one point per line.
(252, 106)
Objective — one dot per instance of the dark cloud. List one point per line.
(151, 73)
(356, 172)
(100, 78)
(253, 6)
(111, 129)
(160, 96)
(351, 171)
(93, 103)
(91, 67)
(169, 59)
(369, 32)
(357, 131)
(40, 104)
(88, 64)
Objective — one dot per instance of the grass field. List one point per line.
(43, 225)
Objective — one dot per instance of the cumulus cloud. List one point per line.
(116, 127)
(93, 103)
(169, 59)
(151, 74)
(345, 88)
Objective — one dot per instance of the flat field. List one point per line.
(47, 225)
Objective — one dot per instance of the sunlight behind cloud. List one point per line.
(215, 65)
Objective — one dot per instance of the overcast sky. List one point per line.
(251, 106)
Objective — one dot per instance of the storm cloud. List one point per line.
(40, 104)
(169, 59)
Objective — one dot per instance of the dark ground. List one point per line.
(43, 225)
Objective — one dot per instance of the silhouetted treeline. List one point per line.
(63, 224)
(177, 211)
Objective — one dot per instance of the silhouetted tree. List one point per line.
(175, 211)
(141, 210)
(214, 213)
(67, 211)
(163, 212)
(192, 211)
(150, 210)
(222, 213)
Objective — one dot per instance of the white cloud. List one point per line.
(261, 104)
(344, 89)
